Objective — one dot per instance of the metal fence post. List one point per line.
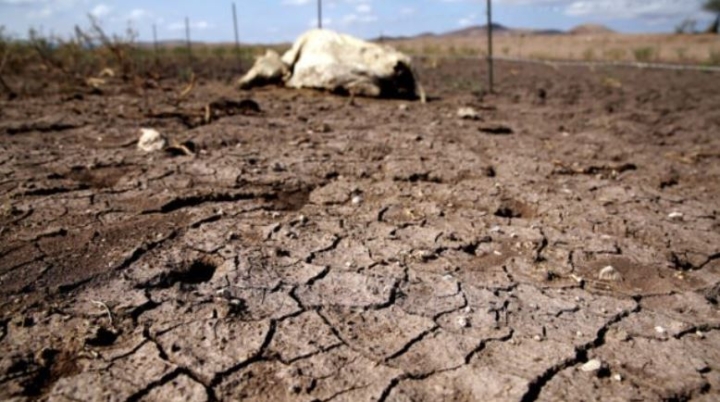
(237, 35)
(319, 10)
(187, 37)
(490, 48)
(155, 44)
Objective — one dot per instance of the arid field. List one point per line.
(563, 245)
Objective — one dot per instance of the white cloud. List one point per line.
(101, 10)
(138, 14)
(467, 21)
(607, 9)
(325, 21)
(197, 25)
(350, 19)
(364, 8)
(22, 2)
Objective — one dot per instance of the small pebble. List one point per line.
(592, 366)
(538, 338)
(357, 200)
(609, 273)
(462, 322)
(660, 330)
(675, 215)
(617, 377)
(468, 113)
(151, 140)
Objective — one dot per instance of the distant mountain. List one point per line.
(590, 29)
(476, 30)
(498, 29)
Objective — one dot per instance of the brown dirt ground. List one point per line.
(334, 249)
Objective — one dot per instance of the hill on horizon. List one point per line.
(590, 29)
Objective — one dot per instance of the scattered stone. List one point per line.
(468, 113)
(660, 330)
(609, 273)
(592, 366)
(462, 322)
(403, 107)
(357, 200)
(151, 140)
(617, 377)
(676, 216)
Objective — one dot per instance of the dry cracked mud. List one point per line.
(322, 248)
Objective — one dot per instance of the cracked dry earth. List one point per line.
(328, 249)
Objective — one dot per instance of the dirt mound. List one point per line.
(590, 29)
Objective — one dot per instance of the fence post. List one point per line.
(319, 9)
(155, 44)
(187, 37)
(490, 48)
(237, 35)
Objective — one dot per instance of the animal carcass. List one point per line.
(338, 63)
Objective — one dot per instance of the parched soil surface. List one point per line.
(324, 248)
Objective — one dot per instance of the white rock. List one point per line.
(660, 330)
(462, 322)
(468, 113)
(617, 377)
(151, 140)
(609, 273)
(357, 200)
(676, 215)
(592, 366)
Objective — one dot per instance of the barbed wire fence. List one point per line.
(489, 55)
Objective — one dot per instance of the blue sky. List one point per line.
(282, 20)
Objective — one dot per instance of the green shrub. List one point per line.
(714, 57)
(644, 54)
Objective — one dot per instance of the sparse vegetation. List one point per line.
(714, 57)
(615, 54)
(644, 54)
(681, 53)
